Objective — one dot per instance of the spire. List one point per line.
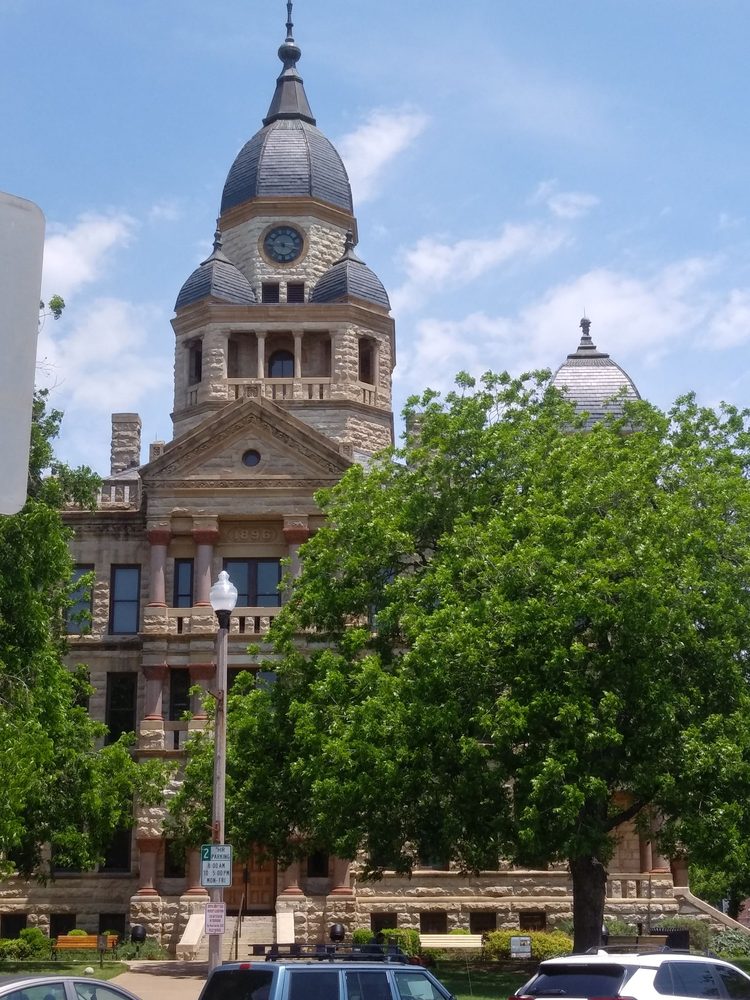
(217, 253)
(587, 347)
(289, 99)
(349, 253)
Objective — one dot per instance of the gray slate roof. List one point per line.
(590, 379)
(350, 277)
(217, 278)
(290, 157)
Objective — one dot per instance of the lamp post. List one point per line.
(223, 597)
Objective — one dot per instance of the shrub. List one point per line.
(700, 930)
(459, 930)
(77, 932)
(361, 935)
(37, 941)
(731, 943)
(150, 950)
(544, 944)
(403, 937)
(12, 949)
(619, 927)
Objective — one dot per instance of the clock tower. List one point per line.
(284, 309)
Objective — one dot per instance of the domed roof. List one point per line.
(350, 277)
(217, 278)
(289, 156)
(591, 378)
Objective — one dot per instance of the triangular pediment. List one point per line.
(250, 440)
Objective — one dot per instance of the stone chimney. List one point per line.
(155, 449)
(126, 442)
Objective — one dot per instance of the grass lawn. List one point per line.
(107, 971)
(480, 982)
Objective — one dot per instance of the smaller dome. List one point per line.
(217, 278)
(590, 378)
(348, 278)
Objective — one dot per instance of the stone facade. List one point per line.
(235, 487)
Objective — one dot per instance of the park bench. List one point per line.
(83, 942)
(447, 942)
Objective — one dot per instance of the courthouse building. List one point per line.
(284, 354)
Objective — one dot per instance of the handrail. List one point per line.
(238, 929)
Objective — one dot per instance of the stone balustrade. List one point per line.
(280, 388)
(202, 621)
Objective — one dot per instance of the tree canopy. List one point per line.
(58, 786)
(518, 634)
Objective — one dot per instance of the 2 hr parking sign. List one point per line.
(216, 866)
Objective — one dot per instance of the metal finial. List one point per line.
(349, 241)
(217, 236)
(586, 340)
(289, 22)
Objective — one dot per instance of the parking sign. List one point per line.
(216, 866)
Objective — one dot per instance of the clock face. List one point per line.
(283, 244)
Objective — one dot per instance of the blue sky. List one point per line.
(513, 163)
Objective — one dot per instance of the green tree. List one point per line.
(518, 636)
(58, 787)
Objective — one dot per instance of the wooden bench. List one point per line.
(448, 942)
(83, 942)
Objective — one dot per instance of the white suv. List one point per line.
(637, 975)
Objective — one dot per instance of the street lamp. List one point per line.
(223, 597)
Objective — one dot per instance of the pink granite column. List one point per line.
(148, 848)
(155, 674)
(296, 531)
(200, 673)
(297, 355)
(291, 879)
(341, 883)
(193, 865)
(158, 539)
(205, 539)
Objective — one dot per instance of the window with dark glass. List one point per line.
(122, 689)
(481, 921)
(433, 923)
(195, 362)
(281, 365)
(78, 617)
(367, 985)
(317, 865)
(315, 985)
(532, 920)
(736, 983)
(270, 291)
(413, 984)
(366, 361)
(124, 602)
(117, 854)
(686, 979)
(383, 922)
(295, 291)
(61, 924)
(257, 581)
(11, 924)
(113, 923)
(179, 693)
(183, 583)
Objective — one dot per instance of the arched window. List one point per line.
(366, 360)
(281, 365)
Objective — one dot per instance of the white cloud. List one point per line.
(433, 266)
(168, 210)
(730, 326)
(630, 315)
(78, 255)
(102, 361)
(371, 147)
(564, 204)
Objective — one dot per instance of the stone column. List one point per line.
(158, 539)
(193, 873)
(296, 531)
(154, 674)
(148, 848)
(290, 878)
(341, 884)
(645, 854)
(298, 354)
(261, 355)
(200, 673)
(205, 538)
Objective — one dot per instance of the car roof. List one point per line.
(648, 959)
(15, 980)
(323, 963)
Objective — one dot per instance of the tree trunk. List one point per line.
(589, 885)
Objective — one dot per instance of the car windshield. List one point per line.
(576, 981)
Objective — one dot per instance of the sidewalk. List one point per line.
(164, 980)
